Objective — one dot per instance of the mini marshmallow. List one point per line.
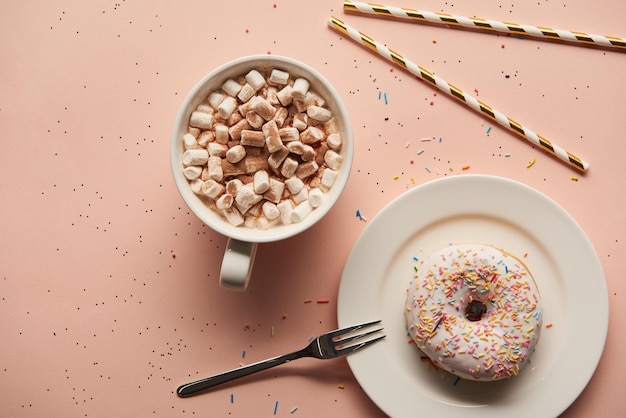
(212, 189)
(198, 156)
(275, 191)
(221, 133)
(334, 141)
(246, 198)
(262, 107)
(189, 142)
(201, 120)
(328, 179)
(217, 150)
(294, 185)
(285, 95)
(276, 158)
(272, 138)
(301, 211)
(271, 94)
(235, 154)
(255, 79)
(320, 114)
(300, 121)
(295, 147)
(301, 196)
(289, 134)
(311, 135)
(300, 87)
(192, 172)
(233, 216)
(270, 211)
(196, 186)
(279, 77)
(215, 98)
(308, 153)
(332, 159)
(306, 169)
(280, 116)
(289, 167)
(215, 168)
(246, 93)
(316, 197)
(233, 186)
(261, 182)
(285, 208)
(252, 138)
(254, 119)
(235, 130)
(225, 201)
(227, 107)
(231, 87)
(205, 137)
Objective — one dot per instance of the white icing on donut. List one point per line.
(497, 345)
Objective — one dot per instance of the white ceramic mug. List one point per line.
(243, 241)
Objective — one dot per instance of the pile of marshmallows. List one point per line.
(262, 150)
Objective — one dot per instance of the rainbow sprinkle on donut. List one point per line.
(475, 311)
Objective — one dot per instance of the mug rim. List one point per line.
(211, 82)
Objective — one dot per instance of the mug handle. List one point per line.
(237, 264)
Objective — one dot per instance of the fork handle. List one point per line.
(194, 387)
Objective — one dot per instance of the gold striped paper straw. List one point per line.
(421, 16)
(458, 94)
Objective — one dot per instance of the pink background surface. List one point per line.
(109, 295)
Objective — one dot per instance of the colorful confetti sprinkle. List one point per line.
(530, 163)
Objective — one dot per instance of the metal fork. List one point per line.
(327, 346)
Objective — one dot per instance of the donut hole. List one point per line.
(475, 310)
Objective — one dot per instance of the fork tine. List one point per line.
(352, 348)
(343, 341)
(351, 329)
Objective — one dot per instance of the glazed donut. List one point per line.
(475, 311)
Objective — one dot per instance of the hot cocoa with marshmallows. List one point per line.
(263, 149)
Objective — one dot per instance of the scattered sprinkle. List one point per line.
(284, 316)
(275, 407)
(272, 332)
(174, 254)
(246, 326)
(456, 380)
(341, 387)
(420, 152)
(507, 155)
(574, 178)
(396, 177)
(361, 217)
(440, 138)
(489, 129)
(385, 95)
(434, 41)
(415, 258)
(549, 325)
(530, 163)
(379, 94)
(427, 169)
(308, 301)
(465, 167)
(412, 180)
(232, 398)
(374, 80)
(243, 354)
(294, 409)
(426, 139)
(476, 91)
(323, 301)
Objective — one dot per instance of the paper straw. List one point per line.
(421, 16)
(458, 94)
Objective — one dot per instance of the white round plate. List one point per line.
(488, 210)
